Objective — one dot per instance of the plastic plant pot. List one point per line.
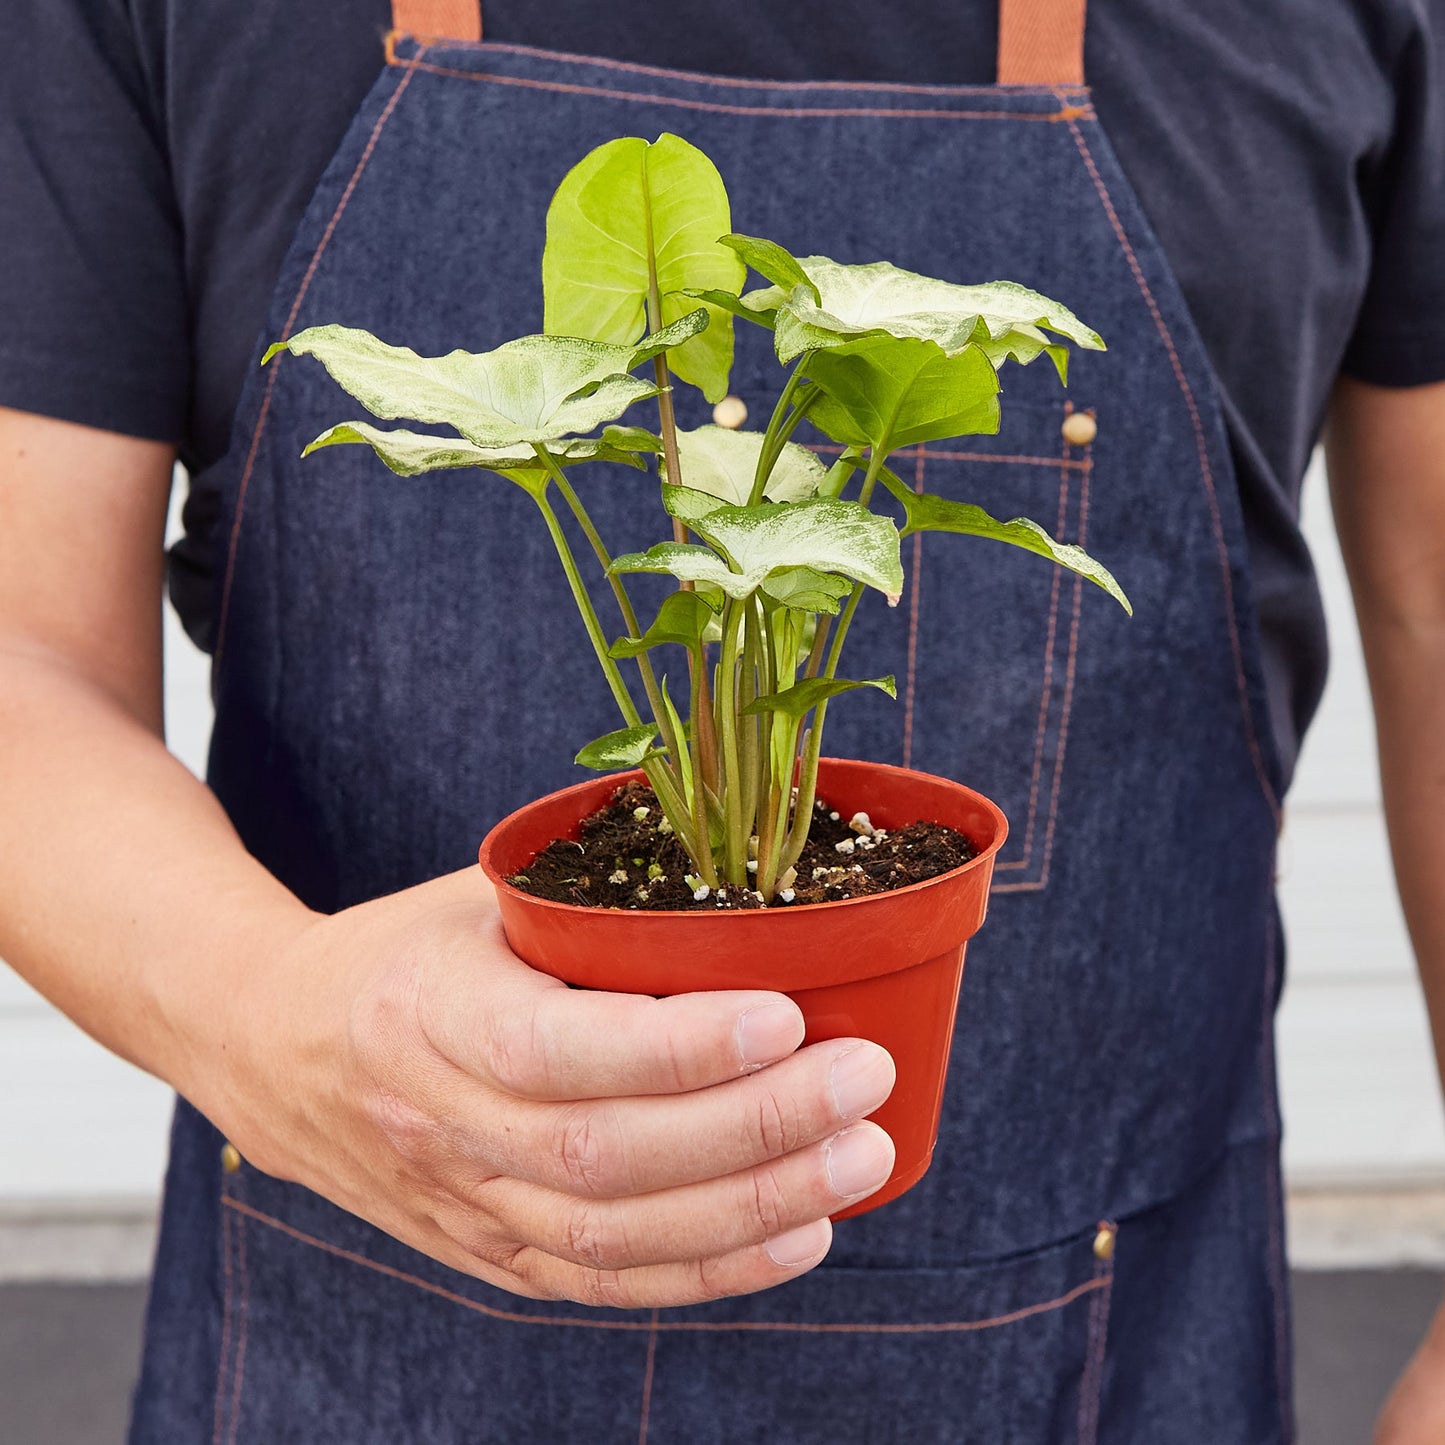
(886, 967)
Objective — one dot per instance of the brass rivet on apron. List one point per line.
(731, 412)
(1104, 1242)
(1080, 428)
(230, 1158)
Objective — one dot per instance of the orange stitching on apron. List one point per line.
(1091, 1387)
(1202, 446)
(226, 1297)
(1065, 113)
(1068, 464)
(1042, 881)
(666, 1326)
(647, 1380)
(739, 83)
(1065, 463)
(261, 416)
(238, 1369)
(1051, 637)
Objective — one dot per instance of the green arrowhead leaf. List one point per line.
(771, 261)
(807, 589)
(683, 619)
(925, 512)
(722, 463)
(627, 208)
(534, 389)
(688, 563)
(756, 308)
(825, 535)
(409, 453)
(796, 700)
(821, 303)
(887, 393)
(687, 505)
(626, 748)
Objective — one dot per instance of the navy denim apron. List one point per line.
(380, 704)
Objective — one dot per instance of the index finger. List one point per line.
(538, 1039)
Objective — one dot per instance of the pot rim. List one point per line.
(792, 910)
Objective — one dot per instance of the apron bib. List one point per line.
(378, 709)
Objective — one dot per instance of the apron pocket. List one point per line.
(344, 1335)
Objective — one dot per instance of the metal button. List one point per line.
(1104, 1242)
(230, 1158)
(730, 412)
(1080, 428)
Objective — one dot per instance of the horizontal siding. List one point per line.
(75, 1121)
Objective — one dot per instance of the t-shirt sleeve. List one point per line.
(93, 314)
(1400, 336)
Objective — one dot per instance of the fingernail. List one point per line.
(861, 1079)
(798, 1246)
(859, 1160)
(769, 1032)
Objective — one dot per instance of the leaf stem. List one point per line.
(781, 426)
(660, 777)
(808, 781)
(674, 744)
(735, 839)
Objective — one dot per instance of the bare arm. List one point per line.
(1386, 451)
(397, 1058)
(117, 862)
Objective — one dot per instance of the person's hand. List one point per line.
(400, 1060)
(1415, 1412)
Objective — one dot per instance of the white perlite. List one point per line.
(862, 823)
(844, 845)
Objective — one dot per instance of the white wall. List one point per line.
(1361, 1103)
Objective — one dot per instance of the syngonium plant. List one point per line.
(771, 555)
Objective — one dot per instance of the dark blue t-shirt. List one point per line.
(156, 156)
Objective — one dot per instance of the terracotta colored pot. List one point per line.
(885, 968)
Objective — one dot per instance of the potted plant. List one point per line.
(731, 853)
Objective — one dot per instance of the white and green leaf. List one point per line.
(722, 463)
(755, 543)
(820, 303)
(924, 512)
(410, 453)
(630, 214)
(534, 389)
(806, 589)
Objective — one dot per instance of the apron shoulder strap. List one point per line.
(1041, 42)
(438, 19)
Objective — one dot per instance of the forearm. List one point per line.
(126, 897)
(1386, 451)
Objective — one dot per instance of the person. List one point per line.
(421, 1192)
